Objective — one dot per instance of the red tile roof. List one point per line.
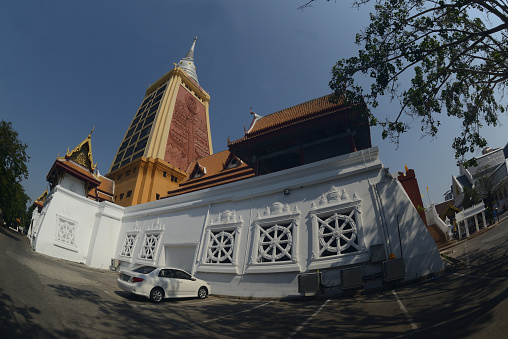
(75, 169)
(104, 192)
(217, 173)
(107, 185)
(293, 115)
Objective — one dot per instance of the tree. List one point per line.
(13, 169)
(456, 52)
(485, 181)
(471, 197)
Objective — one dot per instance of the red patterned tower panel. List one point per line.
(188, 133)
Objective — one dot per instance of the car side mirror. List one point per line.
(193, 279)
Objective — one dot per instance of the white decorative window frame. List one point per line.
(339, 202)
(129, 235)
(277, 214)
(226, 221)
(155, 229)
(72, 225)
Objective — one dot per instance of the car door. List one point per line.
(169, 282)
(187, 285)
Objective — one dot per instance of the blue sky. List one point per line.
(68, 66)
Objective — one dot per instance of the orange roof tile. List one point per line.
(107, 185)
(75, 169)
(292, 115)
(216, 173)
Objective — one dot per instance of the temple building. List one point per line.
(78, 195)
(302, 194)
(170, 130)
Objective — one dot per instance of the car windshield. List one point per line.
(144, 269)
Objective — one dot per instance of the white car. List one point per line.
(157, 283)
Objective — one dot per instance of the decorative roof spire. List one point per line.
(187, 63)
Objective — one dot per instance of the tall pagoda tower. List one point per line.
(170, 130)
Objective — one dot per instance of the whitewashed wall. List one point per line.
(354, 186)
(78, 229)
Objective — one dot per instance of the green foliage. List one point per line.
(471, 197)
(456, 52)
(13, 169)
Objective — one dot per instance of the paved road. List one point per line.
(42, 297)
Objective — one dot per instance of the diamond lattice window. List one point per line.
(149, 246)
(66, 231)
(338, 234)
(221, 247)
(128, 245)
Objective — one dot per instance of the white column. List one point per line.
(466, 225)
(484, 220)
(476, 222)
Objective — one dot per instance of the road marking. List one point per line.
(197, 302)
(408, 316)
(480, 277)
(226, 316)
(299, 328)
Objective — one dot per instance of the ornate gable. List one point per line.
(232, 162)
(43, 196)
(82, 154)
(198, 171)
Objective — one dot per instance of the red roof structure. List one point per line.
(79, 163)
(314, 130)
(216, 169)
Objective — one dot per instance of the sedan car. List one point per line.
(157, 283)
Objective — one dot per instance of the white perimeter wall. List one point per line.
(78, 229)
(354, 185)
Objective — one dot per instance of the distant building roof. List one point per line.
(104, 192)
(75, 169)
(464, 181)
(311, 109)
(314, 130)
(218, 170)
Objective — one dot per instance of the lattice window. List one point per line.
(128, 245)
(275, 240)
(338, 234)
(66, 231)
(149, 247)
(219, 251)
(275, 243)
(221, 247)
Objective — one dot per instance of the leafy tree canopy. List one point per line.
(455, 50)
(13, 169)
(471, 197)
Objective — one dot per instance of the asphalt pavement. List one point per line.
(44, 297)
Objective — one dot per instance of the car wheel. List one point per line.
(202, 293)
(156, 294)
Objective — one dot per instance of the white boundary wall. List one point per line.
(252, 237)
(354, 185)
(76, 228)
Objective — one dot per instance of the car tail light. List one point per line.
(134, 279)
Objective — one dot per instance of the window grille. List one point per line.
(128, 245)
(149, 247)
(221, 247)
